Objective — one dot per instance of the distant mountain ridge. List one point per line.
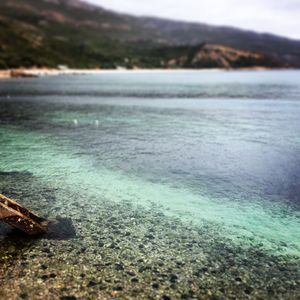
(81, 35)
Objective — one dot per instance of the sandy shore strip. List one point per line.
(40, 72)
(54, 72)
(5, 74)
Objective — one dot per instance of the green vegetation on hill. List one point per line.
(79, 35)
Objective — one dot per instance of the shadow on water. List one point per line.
(61, 229)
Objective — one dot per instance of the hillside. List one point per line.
(214, 56)
(80, 35)
(180, 33)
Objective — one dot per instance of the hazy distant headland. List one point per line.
(77, 35)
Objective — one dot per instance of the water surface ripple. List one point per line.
(217, 151)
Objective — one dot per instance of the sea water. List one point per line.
(216, 149)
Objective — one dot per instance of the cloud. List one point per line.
(274, 16)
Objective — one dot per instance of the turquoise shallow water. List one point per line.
(219, 148)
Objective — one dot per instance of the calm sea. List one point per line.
(214, 150)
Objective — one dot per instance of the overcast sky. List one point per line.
(275, 16)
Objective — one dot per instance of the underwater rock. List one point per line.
(21, 218)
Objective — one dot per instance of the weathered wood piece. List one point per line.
(21, 218)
